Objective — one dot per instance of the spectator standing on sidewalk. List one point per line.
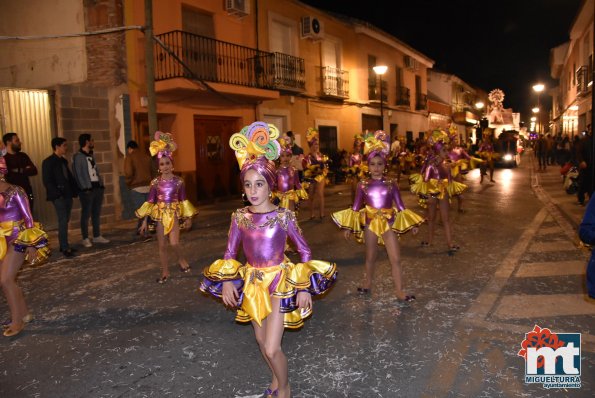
(138, 174)
(585, 167)
(586, 232)
(90, 183)
(541, 152)
(20, 166)
(61, 188)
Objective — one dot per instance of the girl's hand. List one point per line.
(347, 234)
(304, 300)
(31, 255)
(230, 294)
(187, 223)
(143, 228)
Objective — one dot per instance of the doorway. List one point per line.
(217, 172)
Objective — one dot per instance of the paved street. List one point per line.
(104, 328)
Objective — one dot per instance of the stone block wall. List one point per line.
(84, 108)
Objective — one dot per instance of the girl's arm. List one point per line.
(295, 234)
(358, 202)
(296, 179)
(23, 204)
(399, 205)
(233, 240)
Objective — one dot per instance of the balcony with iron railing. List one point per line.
(421, 102)
(335, 82)
(374, 90)
(190, 56)
(583, 80)
(403, 96)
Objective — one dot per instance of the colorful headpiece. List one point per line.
(358, 139)
(285, 146)
(256, 147)
(311, 136)
(3, 167)
(163, 145)
(376, 144)
(453, 133)
(438, 139)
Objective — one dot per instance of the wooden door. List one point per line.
(217, 172)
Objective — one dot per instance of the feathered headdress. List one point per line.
(256, 147)
(376, 144)
(163, 145)
(311, 136)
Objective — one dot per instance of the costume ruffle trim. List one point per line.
(256, 285)
(27, 237)
(167, 212)
(406, 220)
(294, 195)
(350, 220)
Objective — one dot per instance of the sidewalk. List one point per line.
(548, 187)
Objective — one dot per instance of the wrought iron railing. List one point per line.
(374, 90)
(335, 82)
(583, 78)
(403, 96)
(421, 102)
(197, 57)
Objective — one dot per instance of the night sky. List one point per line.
(489, 44)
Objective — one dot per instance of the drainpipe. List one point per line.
(150, 68)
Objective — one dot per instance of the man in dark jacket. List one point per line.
(20, 167)
(61, 188)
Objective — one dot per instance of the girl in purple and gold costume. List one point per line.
(289, 188)
(377, 212)
(20, 238)
(315, 172)
(487, 153)
(269, 290)
(435, 186)
(460, 163)
(167, 204)
(356, 169)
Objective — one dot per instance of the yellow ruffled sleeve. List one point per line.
(34, 237)
(187, 209)
(223, 270)
(350, 220)
(406, 220)
(145, 210)
(302, 194)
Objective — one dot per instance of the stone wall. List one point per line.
(83, 108)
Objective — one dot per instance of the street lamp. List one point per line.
(538, 88)
(381, 70)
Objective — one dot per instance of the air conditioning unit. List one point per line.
(312, 28)
(237, 7)
(410, 62)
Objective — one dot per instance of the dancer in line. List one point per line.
(269, 290)
(20, 238)
(435, 186)
(166, 205)
(378, 202)
(356, 170)
(315, 172)
(289, 188)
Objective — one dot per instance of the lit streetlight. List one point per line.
(535, 110)
(381, 70)
(479, 105)
(538, 88)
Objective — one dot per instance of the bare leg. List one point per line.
(311, 191)
(394, 257)
(273, 351)
(260, 334)
(444, 207)
(320, 192)
(162, 242)
(14, 295)
(432, 204)
(371, 241)
(174, 241)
